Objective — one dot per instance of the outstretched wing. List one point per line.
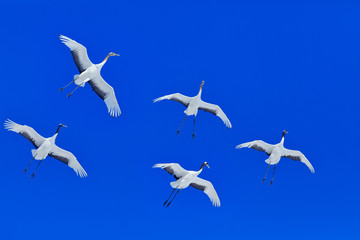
(78, 52)
(178, 97)
(258, 145)
(106, 93)
(298, 156)
(28, 132)
(216, 110)
(69, 159)
(172, 168)
(207, 188)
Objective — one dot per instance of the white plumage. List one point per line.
(90, 73)
(193, 104)
(276, 151)
(185, 178)
(46, 147)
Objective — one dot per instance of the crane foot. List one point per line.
(61, 89)
(33, 175)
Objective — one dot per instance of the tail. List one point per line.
(174, 184)
(79, 81)
(272, 160)
(33, 152)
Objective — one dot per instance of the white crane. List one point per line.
(193, 104)
(90, 73)
(275, 152)
(45, 147)
(185, 178)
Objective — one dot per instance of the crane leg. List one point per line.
(266, 172)
(193, 136)
(173, 198)
(169, 197)
(73, 91)
(178, 131)
(60, 89)
(29, 164)
(272, 179)
(33, 175)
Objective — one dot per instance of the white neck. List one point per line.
(200, 92)
(198, 172)
(54, 137)
(282, 141)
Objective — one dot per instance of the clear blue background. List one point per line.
(269, 66)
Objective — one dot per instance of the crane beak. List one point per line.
(208, 165)
(64, 125)
(115, 54)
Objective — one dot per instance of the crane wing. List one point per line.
(178, 97)
(257, 145)
(78, 52)
(69, 159)
(216, 110)
(172, 168)
(298, 156)
(28, 132)
(106, 93)
(207, 188)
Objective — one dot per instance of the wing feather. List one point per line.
(106, 93)
(78, 52)
(216, 110)
(69, 159)
(207, 188)
(298, 156)
(178, 97)
(28, 132)
(257, 145)
(172, 168)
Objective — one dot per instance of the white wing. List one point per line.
(69, 159)
(258, 145)
(173, 169)
(298, 156)
(29, 133)
(78, 52)
(178, 97)
(216, 110)
(106, 93)
(207, 188)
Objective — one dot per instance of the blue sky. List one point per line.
(269, 66)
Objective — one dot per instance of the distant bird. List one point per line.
(275, 152)
(193, 104)
(186, 178)
(45, 147)
(90, 72)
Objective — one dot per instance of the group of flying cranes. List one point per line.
(90, 73)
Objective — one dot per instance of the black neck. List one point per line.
(202, 166)
(58, 129)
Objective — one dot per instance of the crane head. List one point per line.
(206, 164)
(60, 125)
(284, 132)
(113, 54)
(202, 83)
